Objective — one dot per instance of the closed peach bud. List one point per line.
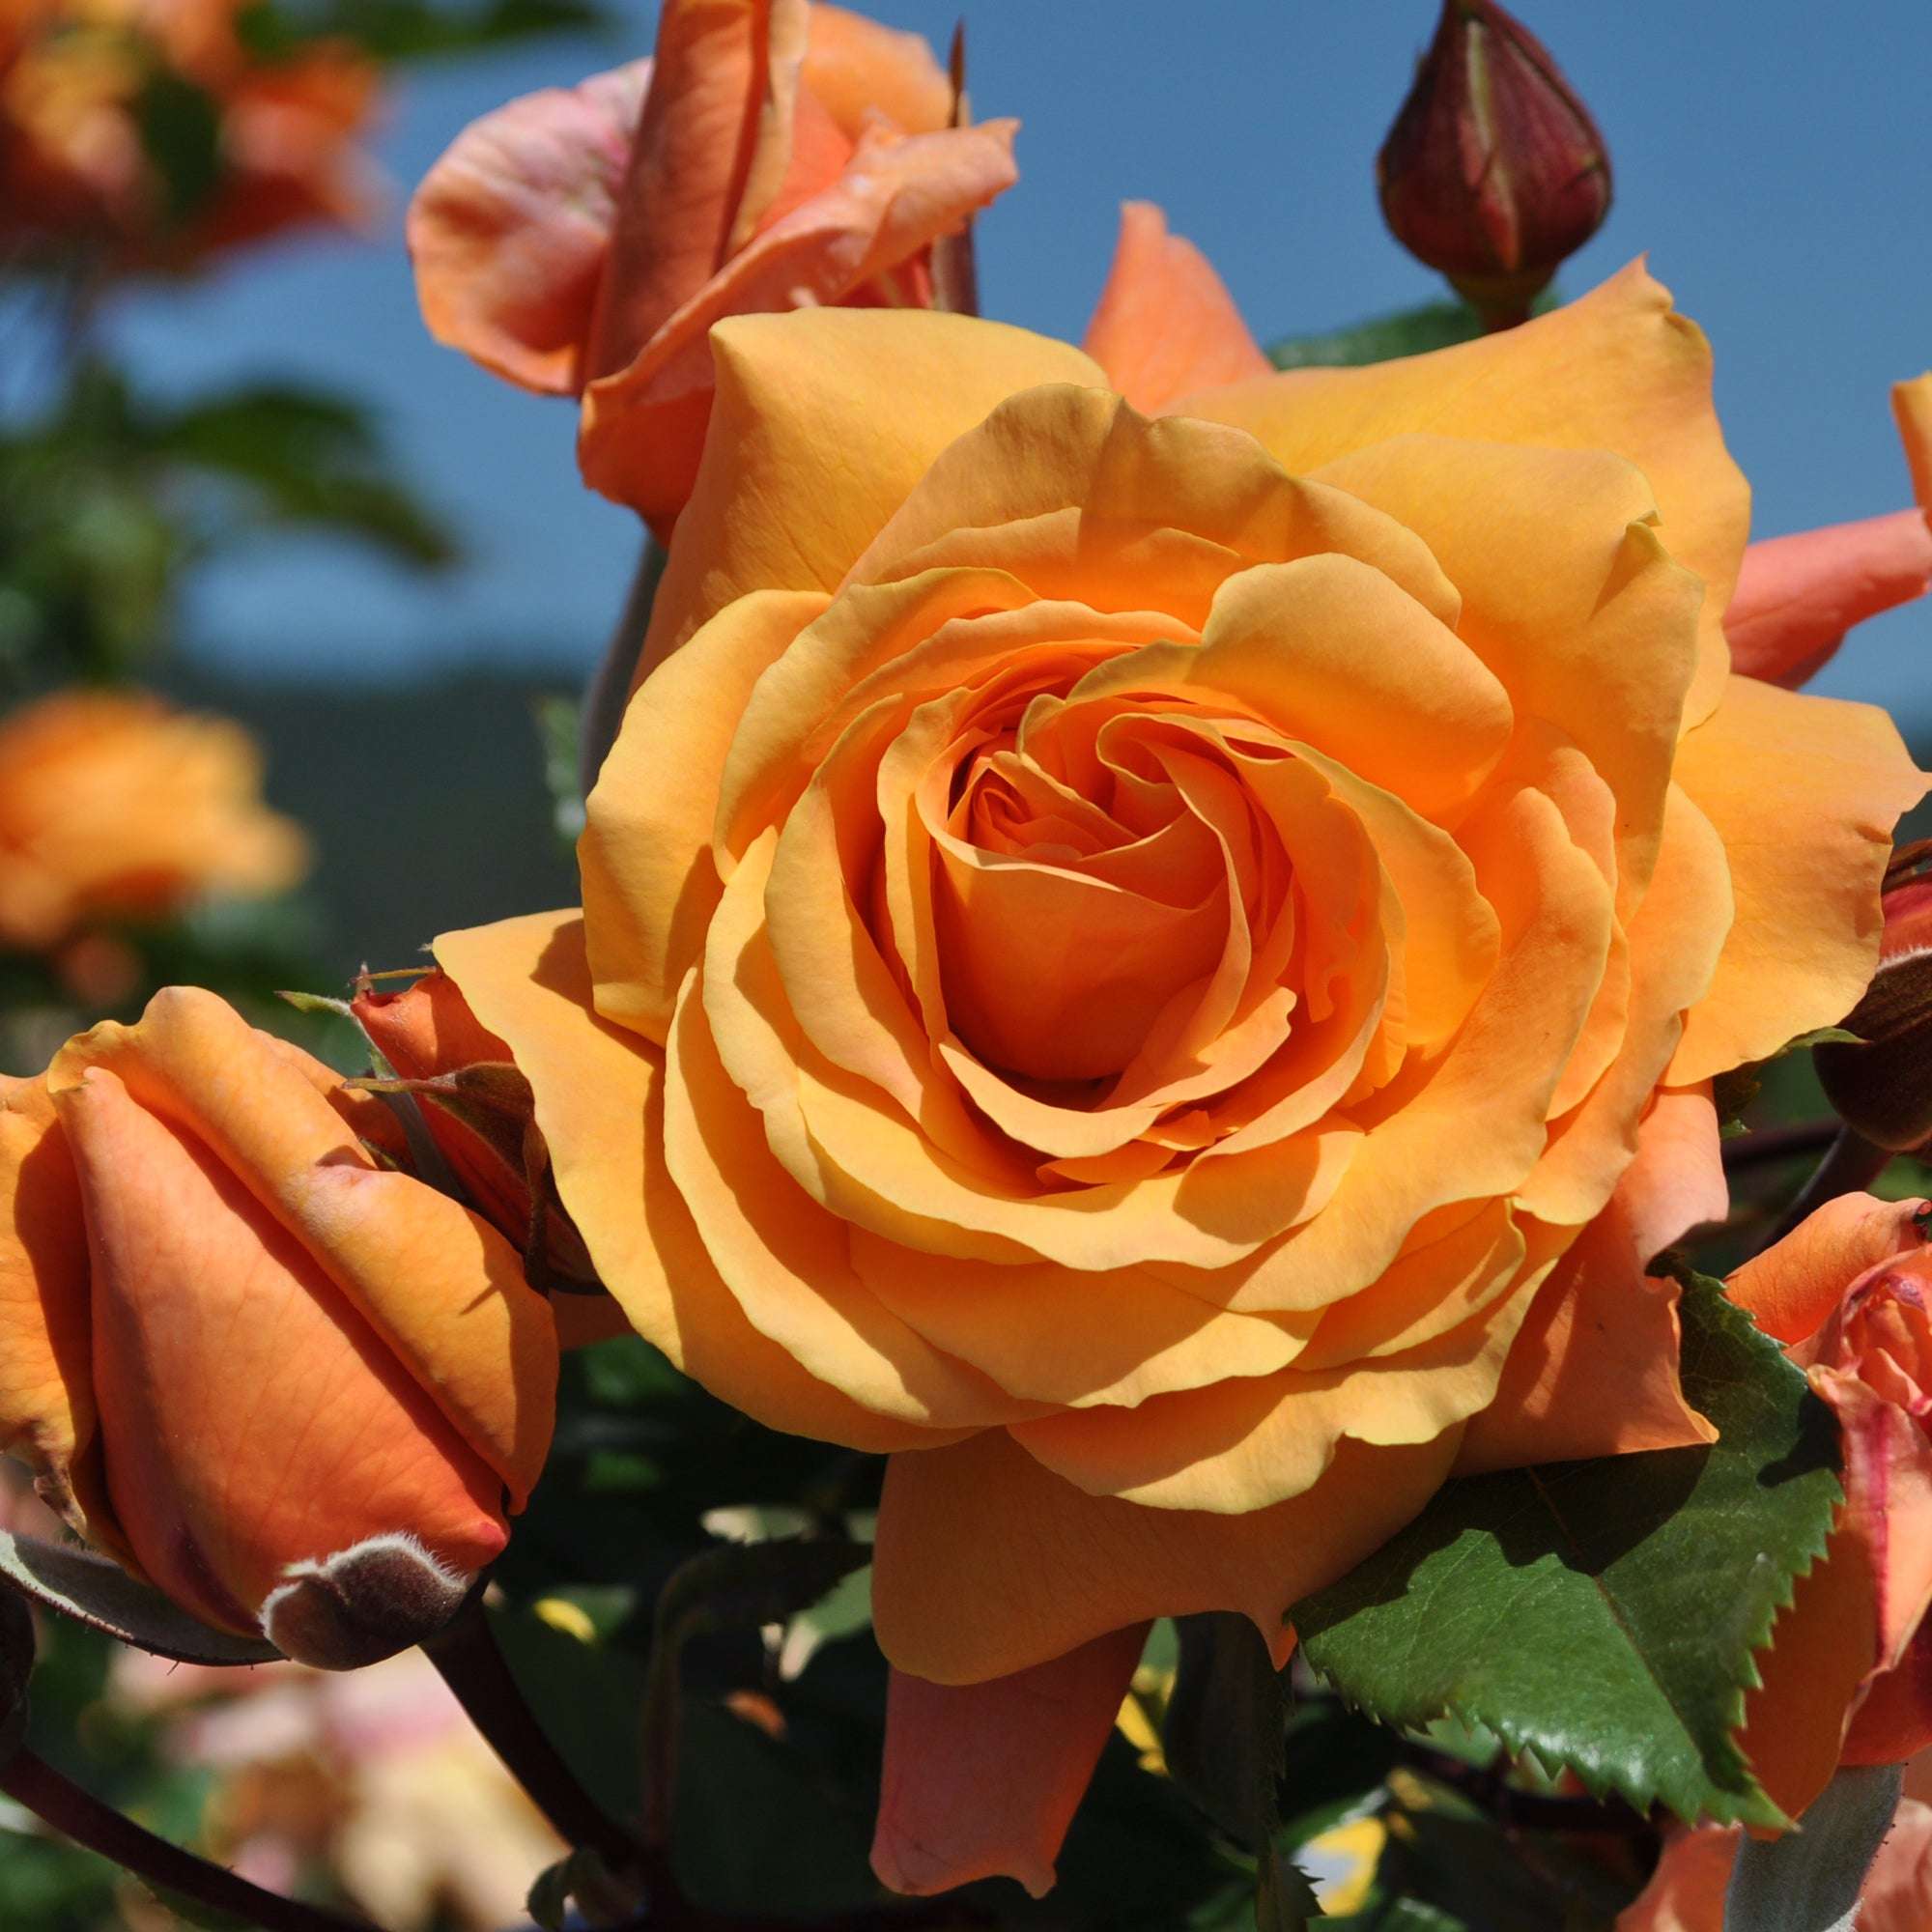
(313, 1387)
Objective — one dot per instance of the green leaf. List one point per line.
(400, 30)
(180, 133)
(1603, 1615)
(98, 1592)
(305, 458)
(1409, 331)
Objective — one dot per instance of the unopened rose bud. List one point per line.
(297, 1390)
(1493, 172)
(1883, 1086)
(480, 1111)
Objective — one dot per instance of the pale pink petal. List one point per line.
(1794, 1287)
(510, 230)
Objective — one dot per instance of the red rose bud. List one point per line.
(1493, 171)
(1883, 1086)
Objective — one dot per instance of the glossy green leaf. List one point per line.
(1603, 1615)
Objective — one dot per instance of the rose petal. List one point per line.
(824, 421)
(1166, 323)
(1807, 856)
(643, 423)
(1797, 596)
(510, 231)
(982, 1781)
(1616, 370)
(859, 68)
(987, 1563)
(46, 1390)
(1795, 1285)
(600, 1103)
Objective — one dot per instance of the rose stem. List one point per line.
(610, 689)
(1850, 1162)
(82, 1817)
(465, 1651)
(1770, 1144)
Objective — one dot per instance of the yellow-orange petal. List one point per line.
(444, 1290)
(47, 1384)
(643, 425)
(1071, 487)
(649, 883)
(1797, 596)
(599, 1093)
(1616, 370)
(822, 422)
(857, 68)
(251, 1419)
(510, 231)
(1807, 856)
(1238, 1446)
(1166, 325)
(987, 1563)
(982, 1781)
(1587, 619)
(1794, 1286)
(1912, 406)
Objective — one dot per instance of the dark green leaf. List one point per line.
(181, 132)
(1603, 1615)
(1222, 1734)
(402, 30)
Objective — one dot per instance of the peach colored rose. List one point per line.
(295, 1390)
(114, 805)
(1848, 1674)
(1166, 970)
(1797, 596)
(774, 155)
(1686, 1892)
(74, 163)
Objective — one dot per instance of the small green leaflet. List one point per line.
(1409, 331)
(1603, 1615)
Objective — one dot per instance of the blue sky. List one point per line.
(1771, 158)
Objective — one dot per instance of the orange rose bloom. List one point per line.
(1848, 1674)
(1120, 956)
(775, 156)
(296, 1391)
(73, 164)
(115, 807)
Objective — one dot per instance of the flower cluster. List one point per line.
(1155, 946)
